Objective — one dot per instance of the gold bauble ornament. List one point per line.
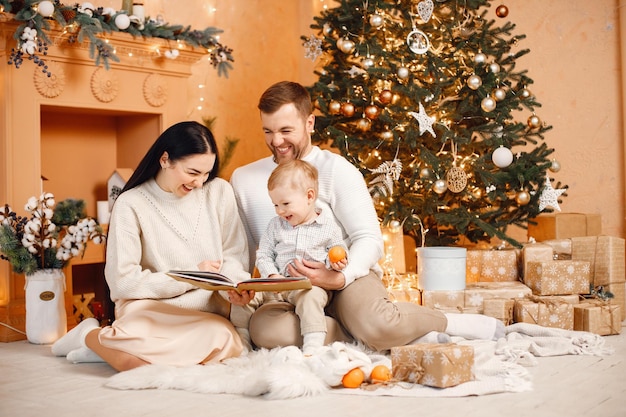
(363, 124)
(347, 109)
(456, 179)
(345, 45)
(403, 73)
(488, 104)
(385, 96)
(494, 67)
(425, 173)
(502, 11)
(386, 135)
(522, 198)
(555, 166)
(334, 107)
(525, 93)
(372, 112)
(480, 58)
(376, 20)
(534, 122)
(499, 94)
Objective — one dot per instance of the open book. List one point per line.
(216, 282)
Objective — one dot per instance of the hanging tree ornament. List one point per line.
(502, 157)
(417, 41)
(376, 20)
(425, 9)
(425, 121)
(389, 172)
(502, 11)
(555, 166)
(312, 48)
(456, 178)
(549, 196)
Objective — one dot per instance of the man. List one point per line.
(359, 300)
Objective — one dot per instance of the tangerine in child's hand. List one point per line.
(380, 373)
(336, 254)
(353, 379)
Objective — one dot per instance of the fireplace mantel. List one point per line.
(80, 124)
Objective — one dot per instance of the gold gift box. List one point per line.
(499, 308)
(598, 317)
(492, 265)
(564, 225)
(476, 294)
(443, 299)
(558, 277)
(439, 365)
(536, 252)
(544, 312)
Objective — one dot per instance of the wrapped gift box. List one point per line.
(558, 277)
(619, 296)
(605, 255)
(562, 248)
(564, 225)
(492, 265)
(554, 313)
(461, 310)
(476, 294)
(433, 364)
(536, 252)
(499, 308)
(598, 317)
(443, 299)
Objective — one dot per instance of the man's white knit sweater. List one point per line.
(153, 231)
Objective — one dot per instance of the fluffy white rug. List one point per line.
(283, 373)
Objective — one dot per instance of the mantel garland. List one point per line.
(86, 23)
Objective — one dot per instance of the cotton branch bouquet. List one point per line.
(50, 237)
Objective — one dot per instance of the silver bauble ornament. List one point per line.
(499, 94)
(502, 157)
(488, 104)
(440, 186)
(403, 73)
(474, 82)
(376, 20)
(480, 58)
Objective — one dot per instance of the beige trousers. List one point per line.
(360, 312)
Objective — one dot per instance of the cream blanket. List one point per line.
(283, 373)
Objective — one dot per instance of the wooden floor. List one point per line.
(33, 383)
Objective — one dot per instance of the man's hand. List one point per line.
(210, 266)
(317, 273)
(240, 299)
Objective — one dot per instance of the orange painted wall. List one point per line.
(575, 62)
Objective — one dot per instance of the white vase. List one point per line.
(46, 319)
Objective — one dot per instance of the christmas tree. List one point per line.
(425, 99)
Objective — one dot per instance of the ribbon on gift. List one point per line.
(553, 303)
(614, 323)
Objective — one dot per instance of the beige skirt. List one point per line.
(164, 334)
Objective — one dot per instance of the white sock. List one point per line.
(474, 326)
(75, 338)
(432, 337)
(312, 341)
(83, 354)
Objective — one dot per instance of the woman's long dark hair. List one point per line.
(179, 141)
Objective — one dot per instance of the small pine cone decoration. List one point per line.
(68, 14)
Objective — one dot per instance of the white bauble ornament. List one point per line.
(122, 21)
(480, 58)
(494, 67)
(45, 8)
(347, 46)
(368, 62)
(376, 20)
(440, 186)
(499, 94)
(474, 82)
(425, 173)
(403, 73)
(488, 104)
(502, 157)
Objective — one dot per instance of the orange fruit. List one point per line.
(336, 253)
(380, 373)
(353, 379)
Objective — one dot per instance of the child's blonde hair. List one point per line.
(296, 173)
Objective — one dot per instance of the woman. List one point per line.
(174, 213)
